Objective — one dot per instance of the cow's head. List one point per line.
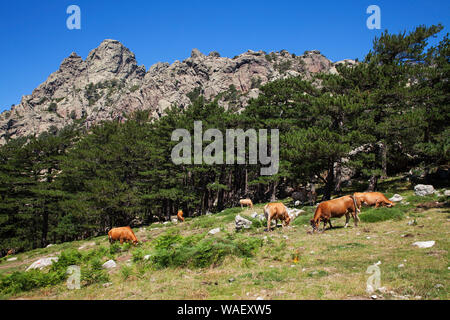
(315, 224)
(287, 219)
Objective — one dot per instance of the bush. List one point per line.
(138, 254)
(67, 258)
(94, 273)
(27, 280)
(173, 250)
(114, 248)
(126, 272)
(382, 214)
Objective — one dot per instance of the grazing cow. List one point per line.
(246, 202)
(276, 211)
(180, 215)
(335, 208)
(122, 234)
(372, 198)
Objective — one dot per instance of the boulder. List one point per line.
(214, 231)
(12, 259)
(42, 263)
(109, 264)
(294, 213)
(396, 198)
(242, 223)
(258, 216)
(423, 190)
(146, 257)
(424, 244)
(447, 193)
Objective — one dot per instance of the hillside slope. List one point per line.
(185, 262)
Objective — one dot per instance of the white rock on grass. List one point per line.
(146, 257)
(84, 246)
(424, 244)
(242, 222)
(396, 198)
(42, 263)
(12, 259)
(423, 190)
(109, 264)
(214, 231)
(447, 193)
(50, 245)
(297, 203)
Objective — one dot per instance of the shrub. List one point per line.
(382, 214)
(94, 273)
(27, 280)
(67, 258)
(114, 248)
(126, 272)
(199, 251)
(138, 254)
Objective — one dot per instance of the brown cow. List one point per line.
(122, 234)
(180, 215)
(335, 208)
(372, 198)
(246, 202)
(276, 211)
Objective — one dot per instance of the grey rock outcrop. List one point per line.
(242, 223)
(423, 190)
(109, 85)
(396, 198)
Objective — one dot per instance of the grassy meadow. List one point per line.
(183, 261)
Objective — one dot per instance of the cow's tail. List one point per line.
(266, 211)
(356, 206)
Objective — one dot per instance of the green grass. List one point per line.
(287, 263)
(381, 214)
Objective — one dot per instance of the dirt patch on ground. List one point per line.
(124, 258)
(430, 205)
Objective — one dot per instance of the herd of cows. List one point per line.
(274, 211)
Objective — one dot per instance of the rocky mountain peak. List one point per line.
(109, 84)
(111, 59)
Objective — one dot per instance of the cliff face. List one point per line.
(109, 84)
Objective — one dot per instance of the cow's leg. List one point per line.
(355, 218)
(242, 207)
(347, 219)
(329, 222)
(269, 220)
(121, 241)
(324, 225)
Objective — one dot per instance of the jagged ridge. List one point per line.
(109, 84)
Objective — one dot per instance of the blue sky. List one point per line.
(35, 39)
